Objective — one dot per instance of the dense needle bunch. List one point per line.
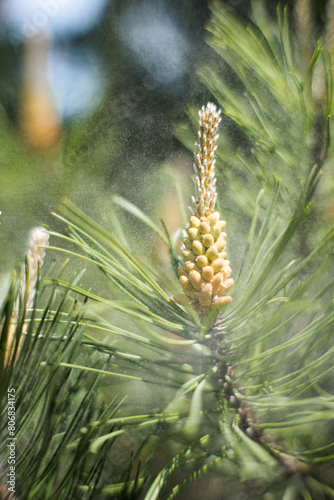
(205, 275)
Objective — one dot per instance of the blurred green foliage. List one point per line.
(137, 394)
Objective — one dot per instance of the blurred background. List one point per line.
(90, 93)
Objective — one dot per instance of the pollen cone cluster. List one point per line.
(205, 273)
(205, 276)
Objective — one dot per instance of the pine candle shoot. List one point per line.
(205, 273)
